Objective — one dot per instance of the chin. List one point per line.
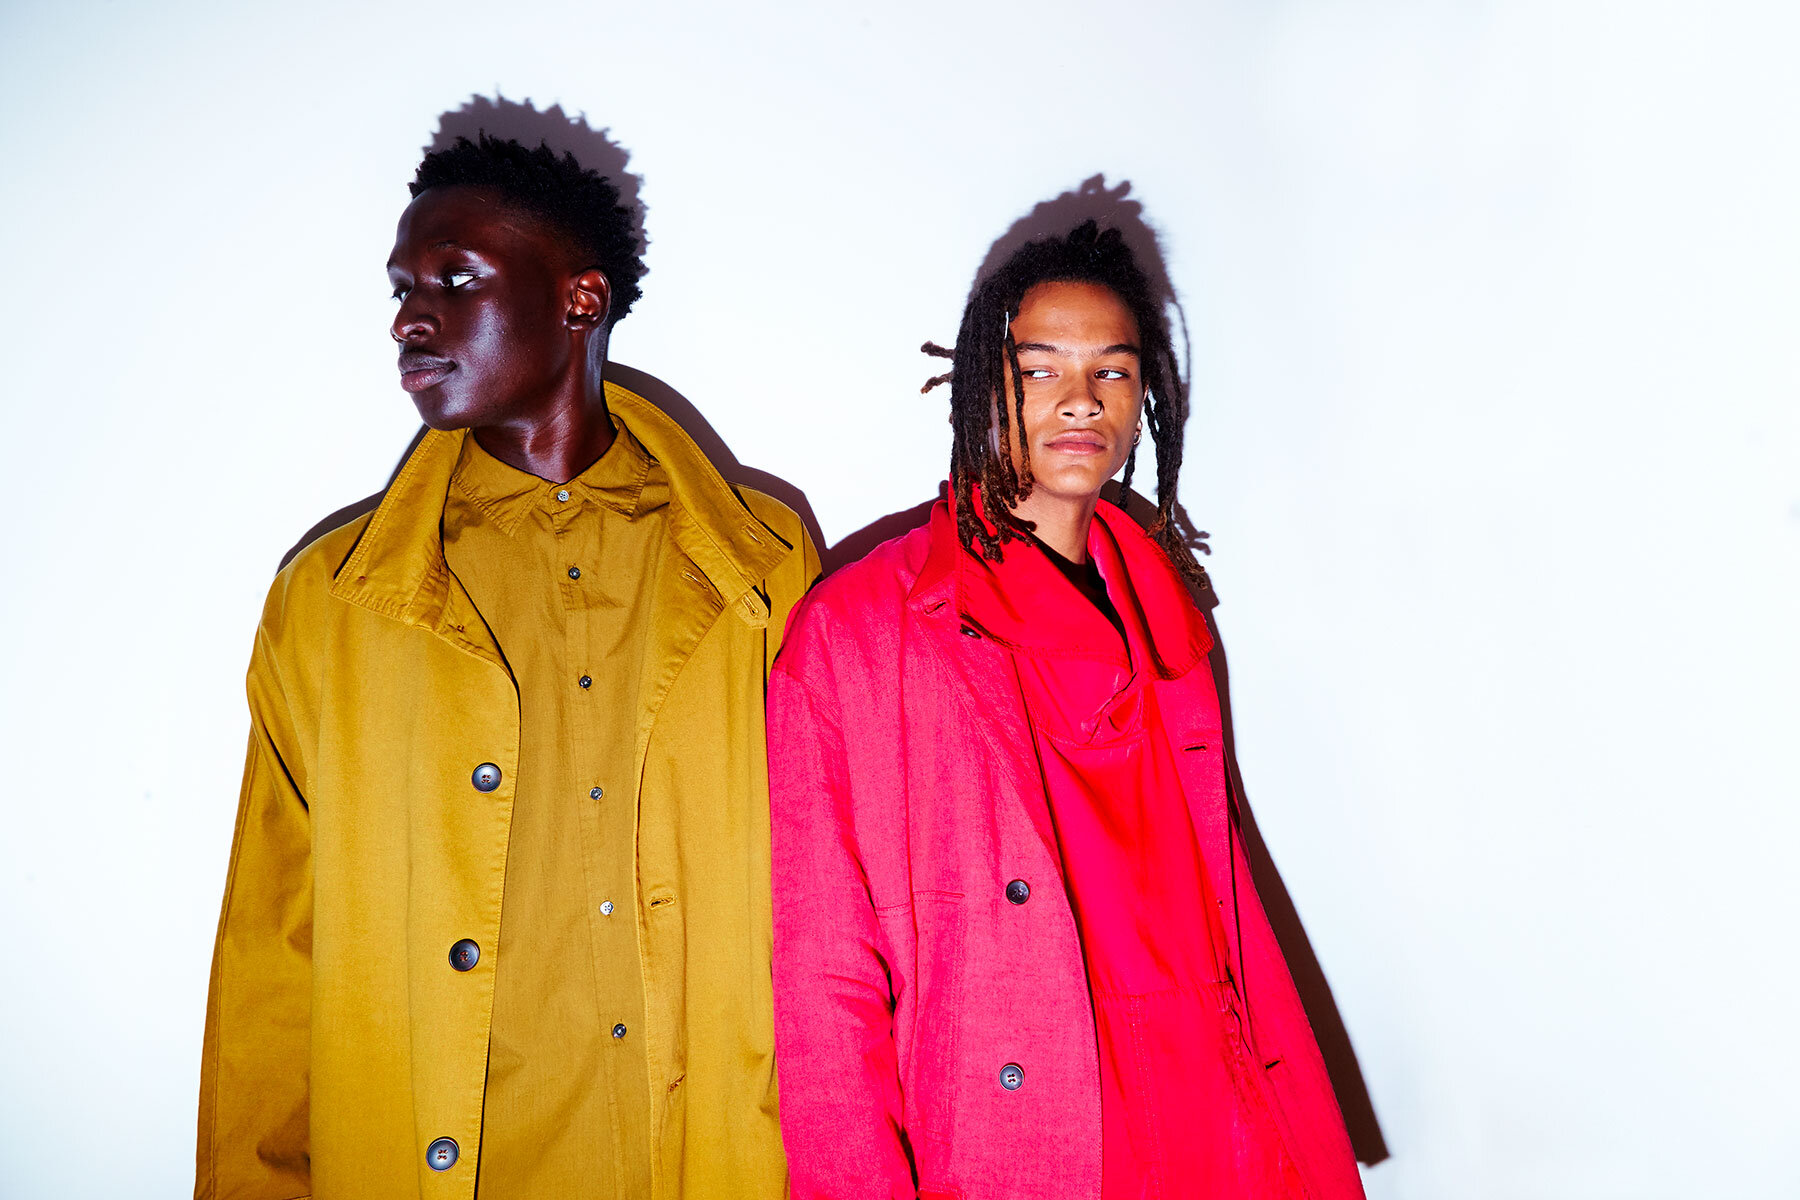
(1070, 485)
(444, 413)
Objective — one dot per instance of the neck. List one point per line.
(564, 436)
(1062, 521)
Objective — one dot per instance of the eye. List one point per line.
(455, 279)
(1112, 373)
(400, 293)
(1036, 372)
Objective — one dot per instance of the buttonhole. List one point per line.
(662, 900)
(750, 532)
(933, 607)
(677, 1082)
(1271, 1064)
(1195, 746)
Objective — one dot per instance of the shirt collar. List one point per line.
(506, 495)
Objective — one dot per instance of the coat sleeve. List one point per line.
(253, 1069)
(841, 1116)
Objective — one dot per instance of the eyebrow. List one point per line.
(446, 244)
(1048, 348)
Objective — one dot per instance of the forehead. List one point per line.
(478, 219)
(1074, 313)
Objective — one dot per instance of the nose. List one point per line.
(412, 323)
(1082, 400)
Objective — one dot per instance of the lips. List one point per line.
(1078, 443)
(419, 371)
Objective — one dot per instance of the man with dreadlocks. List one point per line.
(497, 909)
(1018, 950)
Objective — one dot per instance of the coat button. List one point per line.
(606, 907)
(574, 572)
(1018, 891)
(967, 632)
(586, 681)
(464, 955)
(595, 793)
(618, 1031)
(486, 777)
(1012, 1077)
(441, 1154)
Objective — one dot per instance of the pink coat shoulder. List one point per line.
(856, 607)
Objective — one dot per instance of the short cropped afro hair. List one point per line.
(578, 203)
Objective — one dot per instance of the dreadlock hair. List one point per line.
(581, 205)
(984, 374)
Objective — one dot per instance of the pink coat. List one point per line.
(905, 796)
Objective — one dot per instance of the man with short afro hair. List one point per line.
(497, 911)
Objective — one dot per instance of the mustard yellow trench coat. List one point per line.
(340, 1043)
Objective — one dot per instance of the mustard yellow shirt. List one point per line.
(564, 575)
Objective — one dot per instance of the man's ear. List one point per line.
(590, 299)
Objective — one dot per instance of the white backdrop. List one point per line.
(1493, 311)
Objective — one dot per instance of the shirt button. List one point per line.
(1012, 1077)
(606, 908)
(586, 681)
(563, 496)
(441, 1154)
(595, 793)
(618, 1031)
(486, 777)
(464, 955)
(1018, 891)
(574, 572)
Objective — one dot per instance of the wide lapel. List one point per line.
(397, 567)
(718, 557)
(970, 655)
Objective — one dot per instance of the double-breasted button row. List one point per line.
(442, 1154)
(486, 777)
(464, 955)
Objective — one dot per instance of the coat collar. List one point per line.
(397, 567)
(1158, 600)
